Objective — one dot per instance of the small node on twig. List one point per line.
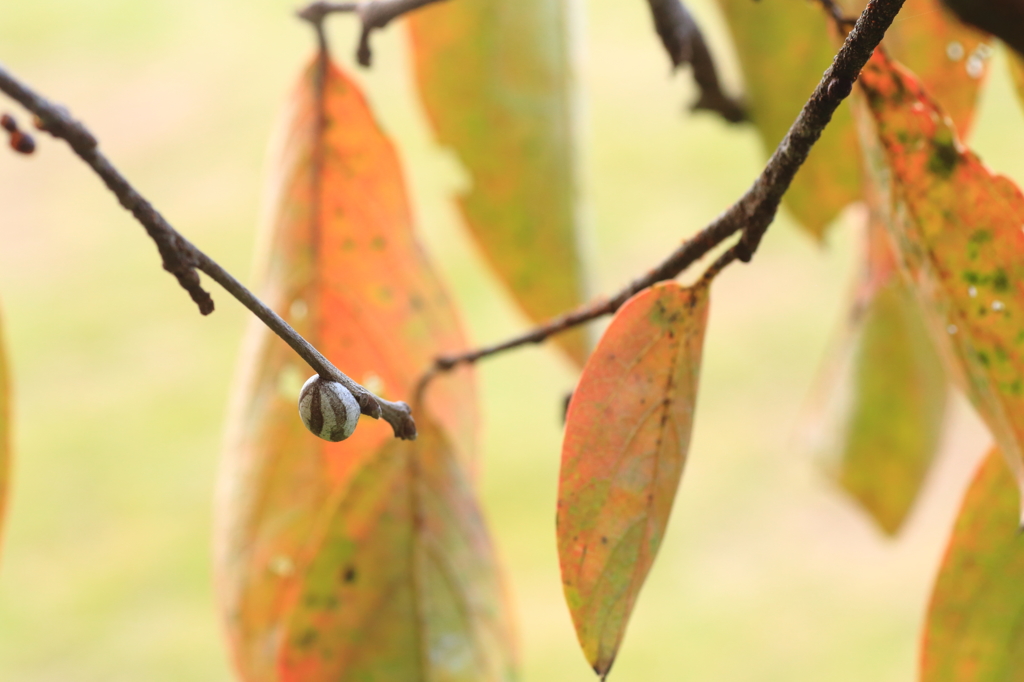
(20, 141)
(840, 88)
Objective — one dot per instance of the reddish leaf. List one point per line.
(784, 46)
(496, 81)
(5, 434)
(975, 627)
(343, 267)
(957, 227)
(894, 395)
(626, 438)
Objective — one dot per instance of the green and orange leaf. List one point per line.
(893, 396)
(974, 629)
(404, 585)
(626, 439)
(957, 228)
(496, 80)
(341, 264)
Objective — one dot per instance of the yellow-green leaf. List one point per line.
(1016, 63)
(896, 393)
(975, 627)
(957, 228)
(784, 47)
(5, 433)
(342, 265)
(496, 80)
(626, 438)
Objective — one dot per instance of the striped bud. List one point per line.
(328, 409)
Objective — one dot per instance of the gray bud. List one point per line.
(328, 409)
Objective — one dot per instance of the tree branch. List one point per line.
(751, 214)
(374, 14)
(685, 44)
(182, 259)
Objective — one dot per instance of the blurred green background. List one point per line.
(766, 574)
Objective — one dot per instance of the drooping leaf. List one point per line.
(404, 585)
(1003, 18)
(949, 58)
(626, 438)
(341, 264)
(496, 82)
(784, 46)
(957, 228)
(1016, 63)
(975, 626)
(895, 392)
(5, 434)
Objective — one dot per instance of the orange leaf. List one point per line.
(893, 392)
(626, 438)
(343, 267)
(974, 632)
(5, 434)
(496, 81)
(957, 227)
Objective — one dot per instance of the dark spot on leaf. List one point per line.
(307, 639)
(604, 540)
(1000, 282)
(349, 575)
(983, 358)
(943, 159)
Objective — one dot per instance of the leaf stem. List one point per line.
(373, 14)
(183, 259)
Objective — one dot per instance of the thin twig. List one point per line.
(754, 211)
(843, 22)
(373, 14)
(182, 259)
(685, 44)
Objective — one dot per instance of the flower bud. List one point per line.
(328, 409)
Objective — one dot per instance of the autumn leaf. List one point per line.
(5, 434)
(784, 47)
(974, 629)
(950, 58)
(404, 585)
(341, 264)
(894, 392)
(496, 81)
(957, 228)
(1016, 63)
(626, 439)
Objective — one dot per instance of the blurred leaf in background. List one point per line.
(497, 82)
(973, 631)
